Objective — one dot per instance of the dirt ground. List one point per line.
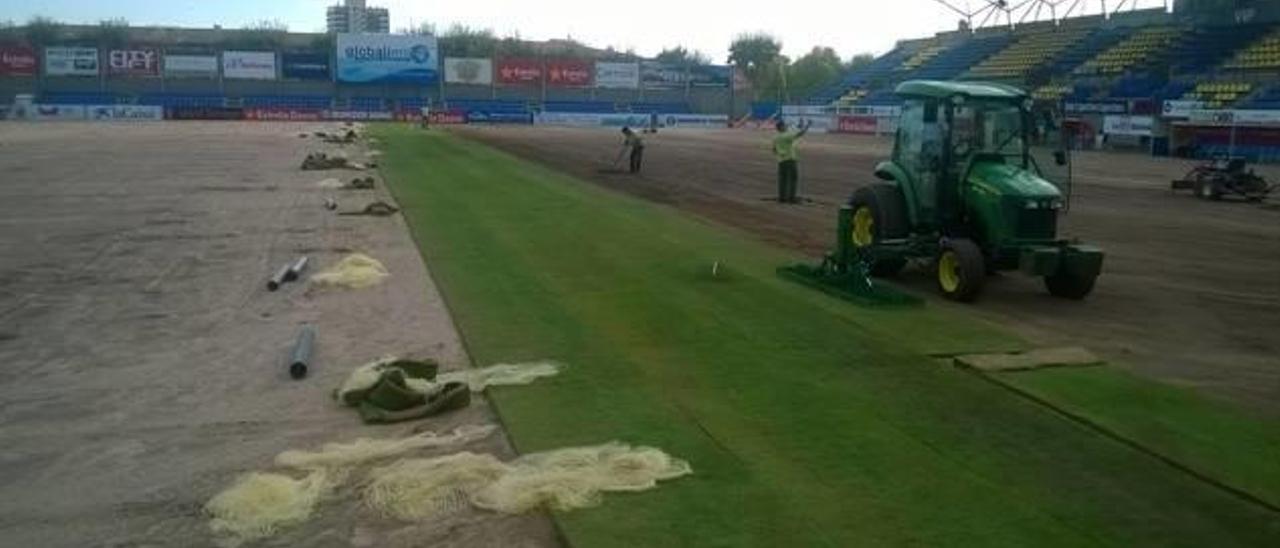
(141, 356)
(1190, 291)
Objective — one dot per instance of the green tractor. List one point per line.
(968, 188)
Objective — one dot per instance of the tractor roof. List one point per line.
(933, 89)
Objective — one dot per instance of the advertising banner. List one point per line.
(1134, 126)
(1181, 109)
(695, 120)
(1097, 108)
(566, 73)
(617, 75)
(484, 117)
(249, 65)
(351, 115)
(191, 66)
(387, 59)
(804, 110)
(17, 61)
(133, 62)
(517, 71)
(71, 61)
(468, 70)
(283, 114)
(304, 66)
(710, 76)
(862, 125)
(124, 113)
(1229, 117)
(204, 113)
(50, 112)
(655, 75)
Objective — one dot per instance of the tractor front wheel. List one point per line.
(1207, 188)
(1068, 285)
(961, 269)
(878, 214)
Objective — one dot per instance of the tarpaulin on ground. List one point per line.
(569, 72)
(17, 61)
(304, 66)
(387, 58)
(134, 62)
(476, 71)
(518, 71)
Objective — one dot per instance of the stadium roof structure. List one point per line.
(993, 13)
(933, 89)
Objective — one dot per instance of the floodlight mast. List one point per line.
(979, 14)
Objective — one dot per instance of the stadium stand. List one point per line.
(1202, 49)
(302, 102)
(601, 107)
(181, 100)
(1087, 48)
(1052, 93)
(1263, 54)
(957, 59)
(1134, 51)
(1219, 94)
(1266, 99)
(926, 53)
(879, 70)
(1029, 51)
(82, 99)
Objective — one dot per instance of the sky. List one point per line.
(851, 27)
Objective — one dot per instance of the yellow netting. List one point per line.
(355, 271)
(257, 505)
(418, 489)
(363, 377)
(566, 479)
(574, 478)
(330, 184)
(503, 374)
(333, 455)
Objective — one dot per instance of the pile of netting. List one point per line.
(355, 271)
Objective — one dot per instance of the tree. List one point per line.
(679, 56)
(859, 60)
(463, 41)
(42, 31)
(268, 34)
(759, 56)
(425, 29)
(816, 69)
(111, 33)
(513, 46)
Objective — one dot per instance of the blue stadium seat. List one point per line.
(304, 102)
(181, 100)
(81, 99)
(581, 106)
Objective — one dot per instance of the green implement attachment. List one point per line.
(846, 275)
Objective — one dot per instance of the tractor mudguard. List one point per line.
(892, 173)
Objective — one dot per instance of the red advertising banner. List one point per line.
(519, 71)
(866, 125)
(569, 72)
(283, 114)
(17, 61)
(134, 62)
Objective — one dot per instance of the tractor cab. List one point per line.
(976, 182)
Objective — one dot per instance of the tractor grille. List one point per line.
(1037, 224)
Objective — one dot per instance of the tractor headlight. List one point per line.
(1043, 204)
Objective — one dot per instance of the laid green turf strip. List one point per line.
(808, 421)
(1207, 436)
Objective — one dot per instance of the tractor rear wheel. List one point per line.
(879, 214)
(1067, 285)
(961, 270)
